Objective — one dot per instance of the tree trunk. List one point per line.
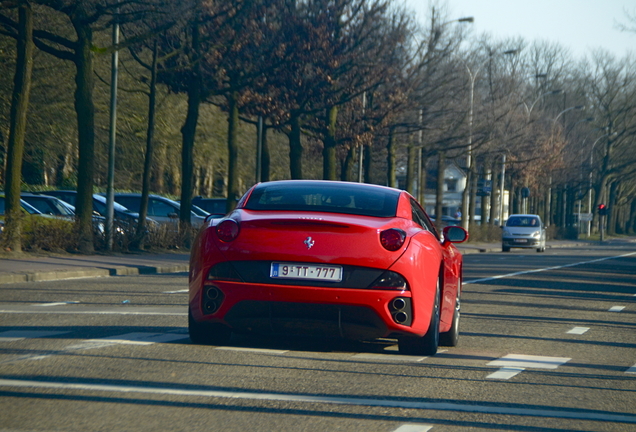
(85, 109)
(410, 168)
(295, 148)
(232, 148)
(367, 163)
(188, 133)
(346, 170)
(439, 196)
(329, 146)
(265, 157)
(472, 204)
(17, 127)
(391, 180)
(145, 181)
(612, 205)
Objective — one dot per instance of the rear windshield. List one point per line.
(523, 221)
(345, 198)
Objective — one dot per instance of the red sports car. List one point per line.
(327, 258)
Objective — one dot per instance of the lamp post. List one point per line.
(551, 92)
(466, 218)
(549, 200)
(421, 187)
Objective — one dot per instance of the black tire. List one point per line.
(451, 337)
(505, 249)
(208, 333)
(427, 344)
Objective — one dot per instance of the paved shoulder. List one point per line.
(30, 267)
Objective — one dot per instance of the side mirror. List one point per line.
(455, 234)
(173, 215)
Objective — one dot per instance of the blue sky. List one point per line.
(579, 25)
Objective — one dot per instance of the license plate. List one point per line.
(305, 271)
(521, 240)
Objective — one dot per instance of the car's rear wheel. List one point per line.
(451, 337)
(427, 344)
(208, 333)
(505, 249)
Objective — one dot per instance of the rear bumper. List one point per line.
(526, 242)
(302, 310)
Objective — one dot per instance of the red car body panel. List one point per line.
(338, 239)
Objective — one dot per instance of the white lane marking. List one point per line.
(57, 303)
(15, 335)
(578, 330)
(176, 292)
(127, 339)
(546, 269)
(631, 370)
(513, 364)
(506, 373)
(414, 428)
(254, 350)
(388, 357)
(94, 312)
(529, 361)
(616, 308)
(141, 338)
(335, 400)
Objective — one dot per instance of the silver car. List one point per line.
(523, 231)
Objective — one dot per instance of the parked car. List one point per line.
(50, 205)
(523, 231)
(27, 208)
(215, 206)
(56, 207)
(121, 214)
(324, 258)
(161, 209)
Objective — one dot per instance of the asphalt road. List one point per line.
(548, 343)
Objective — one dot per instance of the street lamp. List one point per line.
(466, 219)
(551, 92)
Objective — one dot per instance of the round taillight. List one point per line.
(227, 230)
(392, 239)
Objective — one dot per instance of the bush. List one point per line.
(48, 234)
(485, 234)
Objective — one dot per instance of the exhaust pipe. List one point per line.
(401, 317)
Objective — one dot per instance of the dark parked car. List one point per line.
(215, 206)
(161, 209)
(121, 213)
(50, 205)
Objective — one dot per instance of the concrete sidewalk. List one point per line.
(40, 267)
(36, 267)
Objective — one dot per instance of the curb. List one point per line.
(8, 278)
(476, 249)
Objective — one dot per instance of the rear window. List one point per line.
(356, 199)
(523, 221)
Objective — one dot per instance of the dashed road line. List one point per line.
(631, 370)
(578, 330)
(513, 364)
(388, 357)
(16, 335)
(56, 303)
(176, 292)
(545, 269)
(253, 350)
(616, 308)
(494, 409)
(414, 428)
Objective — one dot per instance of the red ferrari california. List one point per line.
(327, 258)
